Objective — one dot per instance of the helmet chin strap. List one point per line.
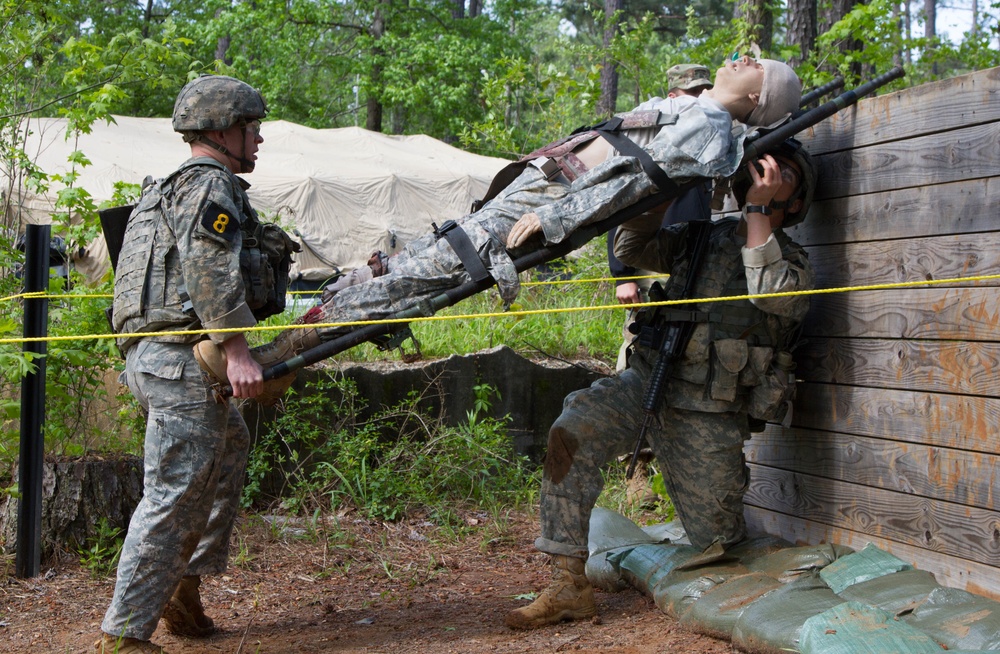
(246, 165)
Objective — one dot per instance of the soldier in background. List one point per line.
(179, 269)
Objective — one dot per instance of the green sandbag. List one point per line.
(716, 611)
(869, 563)
(896, 593)
(856, 628)
(611, 537)
(645, 565)
(676, 592)
(791, 563)
(753, 548)
(958, 619)
(772, 623)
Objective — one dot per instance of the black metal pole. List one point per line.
(29, 508)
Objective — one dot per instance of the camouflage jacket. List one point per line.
(179, 267)
(735, 335)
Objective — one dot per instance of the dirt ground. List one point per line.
(360, 587)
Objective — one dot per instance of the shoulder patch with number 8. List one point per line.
(218, 220)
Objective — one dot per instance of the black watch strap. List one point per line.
(758, 208)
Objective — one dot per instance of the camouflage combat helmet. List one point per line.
(216, 102)
(790, 149)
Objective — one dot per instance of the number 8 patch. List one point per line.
(218, 220)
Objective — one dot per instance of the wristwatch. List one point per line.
(758, 208)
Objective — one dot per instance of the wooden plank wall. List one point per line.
(895, 438)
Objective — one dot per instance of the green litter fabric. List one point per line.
(793, 562)
(869, 563)
(896, 593)
(958, 619)
(856, 628)
(715, 613)
(772, 624)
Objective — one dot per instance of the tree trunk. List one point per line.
(834, 12)
(801, 19)
(373, 105)
(757, 15)
(147, 17)
(609, 72)
(475, 8)
(458, 9)
(930, 28)
(930, 19)
(76, 496)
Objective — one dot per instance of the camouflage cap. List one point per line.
(688, 76)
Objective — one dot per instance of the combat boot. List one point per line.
(212, 359)
(569, 597)
(108, 644)
(184, 615)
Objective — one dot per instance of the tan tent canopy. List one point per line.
(345, 192)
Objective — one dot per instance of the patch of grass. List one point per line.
(101, 554)
(320, 457)
(615, 497)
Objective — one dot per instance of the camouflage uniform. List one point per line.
(699, 144)
(700, 428)
(185, 230)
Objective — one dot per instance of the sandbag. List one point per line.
(789, 564)
(611, 537)
(675, 593)
(772, 623)
(716, 611)
(896, 593)
(856, 628)
(646, 565)
(754, 547)
(958, 619)
(869, 563)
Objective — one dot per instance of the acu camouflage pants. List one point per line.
(195, 457)
(700, 455)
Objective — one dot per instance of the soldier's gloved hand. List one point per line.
(527, 226)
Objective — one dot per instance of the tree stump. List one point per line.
(76, 496)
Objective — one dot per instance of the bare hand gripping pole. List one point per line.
(753, 151)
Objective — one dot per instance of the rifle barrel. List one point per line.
(820, 91)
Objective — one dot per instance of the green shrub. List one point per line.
(319, 455)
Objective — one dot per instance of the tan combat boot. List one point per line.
(108, 644)
(212, 359)
(184, 615)
(638, 490)
(569, 597)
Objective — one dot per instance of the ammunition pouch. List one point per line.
(765, 378)
(265, 260)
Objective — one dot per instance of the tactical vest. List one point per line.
(745, 358)
(265, 259)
